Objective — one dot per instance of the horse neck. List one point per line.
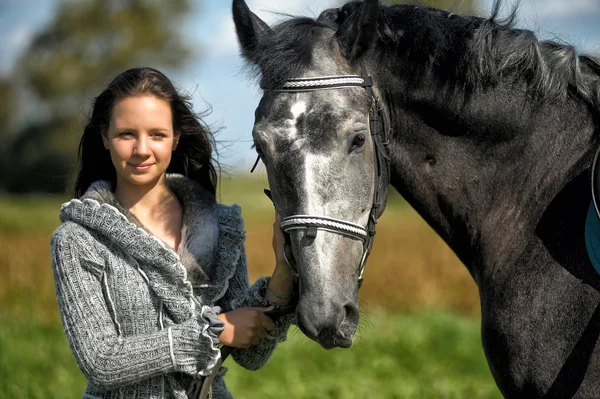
(482, 169)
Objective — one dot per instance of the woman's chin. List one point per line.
(143, 178)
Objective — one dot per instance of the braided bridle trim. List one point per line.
(297, 83)
(302, 222)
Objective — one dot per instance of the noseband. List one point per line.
(380, 137)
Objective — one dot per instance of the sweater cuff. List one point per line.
(194, 344)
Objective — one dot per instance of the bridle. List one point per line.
(379, 130)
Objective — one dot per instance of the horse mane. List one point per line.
(480, 52)
(477, 52)
(286, 52)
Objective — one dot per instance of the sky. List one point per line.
(216, 78)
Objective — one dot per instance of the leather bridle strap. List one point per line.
(314, 223)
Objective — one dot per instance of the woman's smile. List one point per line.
(141, 167)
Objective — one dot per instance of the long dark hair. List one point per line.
(193, 155)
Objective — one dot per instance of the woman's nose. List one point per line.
(141, 146)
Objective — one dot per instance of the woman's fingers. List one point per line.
(245, 327)
(261, 332)
(266, 322)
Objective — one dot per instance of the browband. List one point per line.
(323, 83)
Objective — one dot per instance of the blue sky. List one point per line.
(215, 78)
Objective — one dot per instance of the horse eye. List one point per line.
(258, 150)
(359, 141)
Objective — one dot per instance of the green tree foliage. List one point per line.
(69, 62)
(6, 107)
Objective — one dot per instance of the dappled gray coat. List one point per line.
(140, 318)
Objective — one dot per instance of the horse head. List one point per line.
(327, 174)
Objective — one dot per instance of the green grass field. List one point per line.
(428, 355)
(419, 337)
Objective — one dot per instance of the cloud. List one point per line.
(266, 9)
(19, 22)
(20, 36)
(16, 40)
(573, 21)
(560, 8)
(556, 10)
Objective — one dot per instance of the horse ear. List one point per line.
(358, 31)
(249, 28)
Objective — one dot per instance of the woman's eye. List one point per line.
(358, 141)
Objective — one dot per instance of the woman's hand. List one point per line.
(279, 244)
(245, 327)
(281, 284)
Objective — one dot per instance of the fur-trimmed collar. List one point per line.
(212, 237)
(200, 231)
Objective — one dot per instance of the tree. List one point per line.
(7, 110)
(70, 61)
(6, 106)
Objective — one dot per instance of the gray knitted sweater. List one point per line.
(140, 318)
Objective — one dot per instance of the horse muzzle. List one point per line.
(330, 324)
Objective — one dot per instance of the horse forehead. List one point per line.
(308, 123)
(288, 109)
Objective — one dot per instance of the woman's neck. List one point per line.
(146, 201)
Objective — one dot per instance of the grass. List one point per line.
(420, 338)
(428, 355)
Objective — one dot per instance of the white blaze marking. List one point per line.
(313, 167)
(297, 109)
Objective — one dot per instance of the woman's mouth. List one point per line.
(141, 166)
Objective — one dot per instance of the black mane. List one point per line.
(474, 51)
(483, 51)
(287, 51)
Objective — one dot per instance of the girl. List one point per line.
(150, 271)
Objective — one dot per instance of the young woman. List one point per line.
(150, 271)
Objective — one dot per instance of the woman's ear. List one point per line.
(176, 140)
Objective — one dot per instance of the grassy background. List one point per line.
(419, 334)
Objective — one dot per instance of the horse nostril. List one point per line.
(351, 314)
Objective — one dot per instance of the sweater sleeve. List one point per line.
(240, 294)
(106, 358)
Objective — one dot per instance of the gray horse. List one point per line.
(490, 138)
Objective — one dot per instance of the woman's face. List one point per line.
(141, 140)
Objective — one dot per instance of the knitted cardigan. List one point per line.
(141, 318)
